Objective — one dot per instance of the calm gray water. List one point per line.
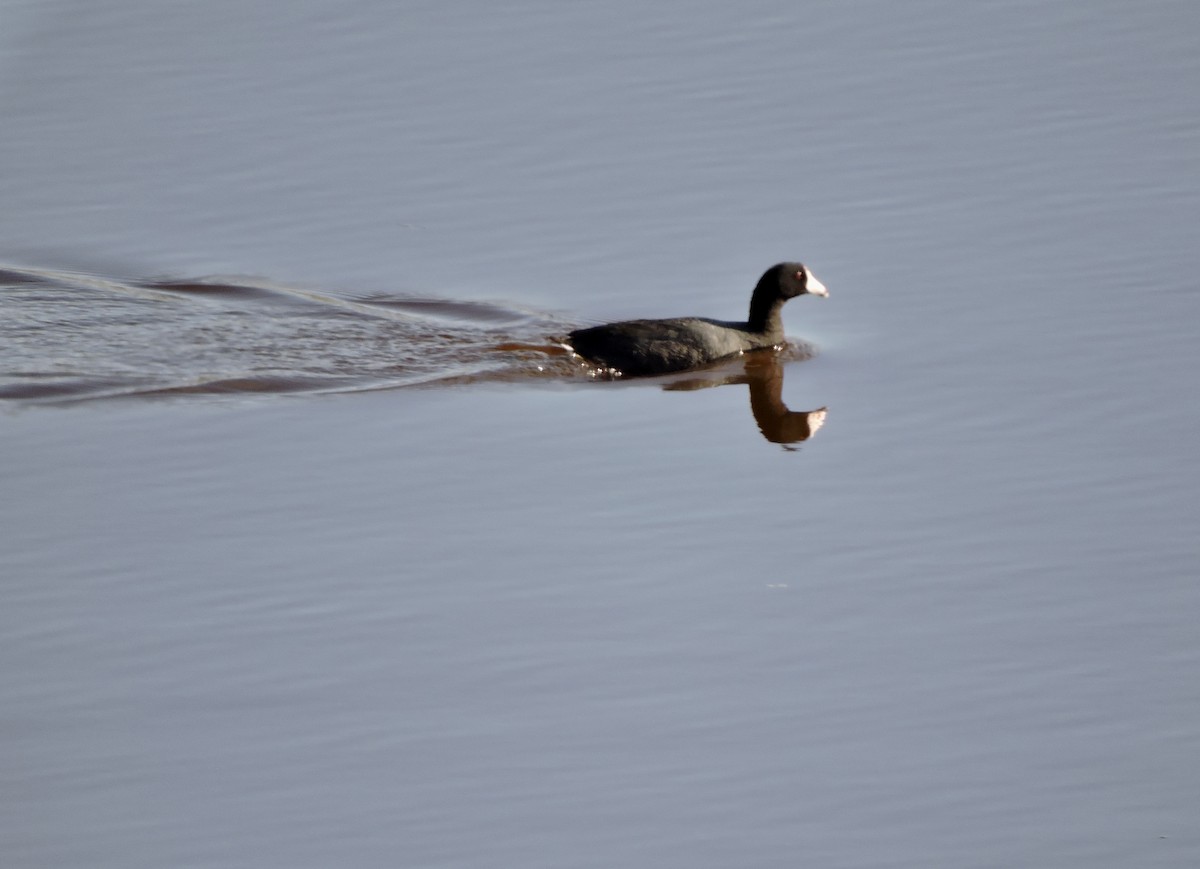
(311, 558)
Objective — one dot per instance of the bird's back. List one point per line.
(648, 347)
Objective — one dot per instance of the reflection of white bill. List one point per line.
(762, 371)
(816, 419)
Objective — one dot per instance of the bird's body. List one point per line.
(638, 348)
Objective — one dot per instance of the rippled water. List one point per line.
(74, 336)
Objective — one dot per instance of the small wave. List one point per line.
(71, 336)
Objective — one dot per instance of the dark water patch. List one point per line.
(376, 304)
(217, 289)
(49, 387)
(16, 278)
(249, 385)
(464, 312)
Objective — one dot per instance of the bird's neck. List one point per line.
(766, 308)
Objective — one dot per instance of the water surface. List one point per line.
(294, 612)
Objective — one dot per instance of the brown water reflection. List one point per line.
(763, 373)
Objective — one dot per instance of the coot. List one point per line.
(640, 348)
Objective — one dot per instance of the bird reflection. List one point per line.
(763, 373)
